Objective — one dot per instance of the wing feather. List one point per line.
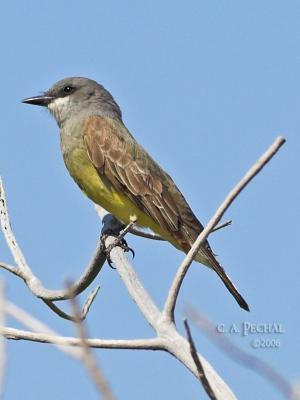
(130, 170)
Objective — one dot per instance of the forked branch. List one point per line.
(23, 271)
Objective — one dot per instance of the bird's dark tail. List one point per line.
(205, 256)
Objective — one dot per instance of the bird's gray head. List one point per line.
(76, 96)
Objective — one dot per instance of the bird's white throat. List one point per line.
(59, 107)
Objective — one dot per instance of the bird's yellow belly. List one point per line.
(102, 193)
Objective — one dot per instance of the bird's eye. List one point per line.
(68, 89)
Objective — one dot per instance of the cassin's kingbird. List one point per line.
(114, 171)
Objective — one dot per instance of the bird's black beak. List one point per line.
(43, 100)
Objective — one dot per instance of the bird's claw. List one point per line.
(121, 243)
(110, 262)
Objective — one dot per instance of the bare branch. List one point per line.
(2, 341)
(194, 354)
(85, 309)
(170, 340)
(116, 344)
(221, 226)
(144, 234)
(10, 268)
(253, 171)
(23, 271)
(58, 310)
(126, 230)
(88, 302)
(241, 356)
(154, 236)
(87, 356)
(132, 283)
(9, 235)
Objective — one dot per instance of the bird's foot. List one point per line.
(123, 244)
(120, 242)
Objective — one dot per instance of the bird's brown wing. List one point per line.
(126, 166)
(130, 170)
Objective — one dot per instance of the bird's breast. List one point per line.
(97, 187)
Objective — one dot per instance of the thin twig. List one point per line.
(221, 226)
(116, 344)
(10, 268)
(241, 356)
(2, 341)
(88, 359)
(85, 309)
(194, 354)
(253, 171)
(144, 234)
(57, 310)
(9, 235)
(154, 236)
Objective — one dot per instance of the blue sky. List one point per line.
(205, 87)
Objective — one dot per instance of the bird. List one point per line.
(117, 173)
